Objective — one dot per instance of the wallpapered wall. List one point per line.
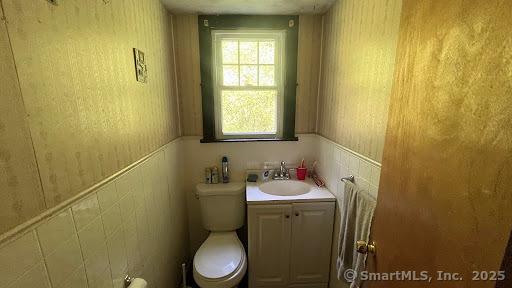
(359, 45)
(89, 118)
(358, 58)
(189, 77)
(20, 191)
(360, 36)
(78, 115)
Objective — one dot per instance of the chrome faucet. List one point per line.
(282, 174)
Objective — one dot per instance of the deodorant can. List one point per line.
(225, 170)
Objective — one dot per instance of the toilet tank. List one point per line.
(222, 205)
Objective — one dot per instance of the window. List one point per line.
(248, 77)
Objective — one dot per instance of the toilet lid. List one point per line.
(219, 256)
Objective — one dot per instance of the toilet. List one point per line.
(221, 262)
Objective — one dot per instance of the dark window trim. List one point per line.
(225, 22)
(234, 140)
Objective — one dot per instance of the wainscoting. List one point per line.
(242, 156)
(335, 162)
(133, 224)
(136, 222)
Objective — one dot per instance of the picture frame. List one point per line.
(141, 71)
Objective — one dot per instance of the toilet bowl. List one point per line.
(221, 262)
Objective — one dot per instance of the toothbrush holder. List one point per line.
(301, 173)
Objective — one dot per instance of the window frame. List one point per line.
(279, 65)
(209, 23)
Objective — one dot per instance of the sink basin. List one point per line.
(285, 188)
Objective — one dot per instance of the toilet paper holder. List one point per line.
(134, 282)
(127, 281)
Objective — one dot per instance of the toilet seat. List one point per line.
(220, 261)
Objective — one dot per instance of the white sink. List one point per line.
(285, 187)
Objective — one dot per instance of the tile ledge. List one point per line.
(365, 158)
(32, 223)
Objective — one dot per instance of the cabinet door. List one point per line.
(312, 227)
(269, 245)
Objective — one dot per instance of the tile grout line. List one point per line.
(48, 280)
(79, 245)
(106, 243)
(39, 262)
(121, 229)
(106, 237)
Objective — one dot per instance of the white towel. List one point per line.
(356, 219)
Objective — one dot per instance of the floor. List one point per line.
(191, 283)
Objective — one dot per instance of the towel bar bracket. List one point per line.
(349, 178)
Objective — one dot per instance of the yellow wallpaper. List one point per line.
(189, 76)
(21, 196)
(88, 116)
(359, 44)
(308, 68)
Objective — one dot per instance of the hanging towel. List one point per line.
(356, 218)
(347, 230)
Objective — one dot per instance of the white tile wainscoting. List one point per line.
(242, 156)
(134, 224)
(335, 162)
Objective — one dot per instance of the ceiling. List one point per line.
(249, 7)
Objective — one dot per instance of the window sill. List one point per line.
(248, 140)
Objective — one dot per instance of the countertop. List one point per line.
(255, 196)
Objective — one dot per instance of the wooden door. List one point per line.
(445, 197)
(312, 227)
(269, 245)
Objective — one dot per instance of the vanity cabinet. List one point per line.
(290, 244)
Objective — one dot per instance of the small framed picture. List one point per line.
(141, 71)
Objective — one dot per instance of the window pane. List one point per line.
(230, 75)
(249, 112)
(267, 52)
(248, 52)
(248, 75)
(229, 52)
(267, 75)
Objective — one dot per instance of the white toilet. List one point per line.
(220, 262)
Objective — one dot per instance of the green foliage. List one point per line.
(248, 64)
(249, 112)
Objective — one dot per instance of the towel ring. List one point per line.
(349, 178)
